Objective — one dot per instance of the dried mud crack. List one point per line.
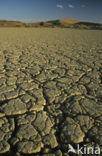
(50, 90)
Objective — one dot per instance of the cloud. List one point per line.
(71, 6)
(59, 6)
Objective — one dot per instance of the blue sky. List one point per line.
(43, 10)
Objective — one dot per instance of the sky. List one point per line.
(44, 10)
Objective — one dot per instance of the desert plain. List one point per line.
(50, 90)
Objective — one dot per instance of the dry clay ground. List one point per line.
(50, 90)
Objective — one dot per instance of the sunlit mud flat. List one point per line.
(50, 90)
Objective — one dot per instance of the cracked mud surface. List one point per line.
(50, 90)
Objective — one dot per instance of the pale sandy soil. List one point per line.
(50, 90)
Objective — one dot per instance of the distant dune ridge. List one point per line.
(66, 23)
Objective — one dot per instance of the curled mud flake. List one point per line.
(4, 147)
(43, 123)
(28, 147)
(71, 132)
(50, 140)
(96, 134)
(14, 107)
(85, 122)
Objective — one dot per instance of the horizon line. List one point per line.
(49, 20)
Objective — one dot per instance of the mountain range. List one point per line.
(63, 23)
